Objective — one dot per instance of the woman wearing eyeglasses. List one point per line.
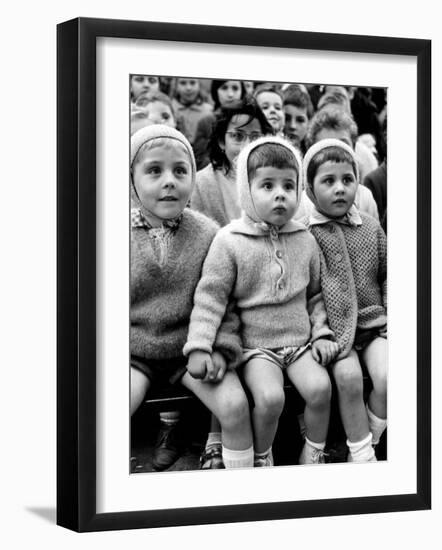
(215, 193)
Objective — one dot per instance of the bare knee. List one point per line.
(379, 381)
(269, 402)
(139, 384)
(319, 395)
(348, 380)
(234, 411)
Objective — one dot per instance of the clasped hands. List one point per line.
(207, 367)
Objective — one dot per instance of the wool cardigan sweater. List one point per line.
(162, 295)
(272, 274)
(353, 276)
(216, 196)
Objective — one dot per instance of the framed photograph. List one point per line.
(118, 78)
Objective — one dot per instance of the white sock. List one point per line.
(267, 455)
(238, 459)
(301, 423)
(214, 438)
(361, 451)
(377, 425)
(310, 451)
(170, 417)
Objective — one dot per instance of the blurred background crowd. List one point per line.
(214, 114)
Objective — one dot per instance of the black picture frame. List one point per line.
(76, 273)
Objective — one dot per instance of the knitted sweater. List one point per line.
(162, 292)
(216, 196)
(353, 276)
(274, 277)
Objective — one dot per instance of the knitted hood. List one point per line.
(157, 131)
(313, 151)
(242, 178)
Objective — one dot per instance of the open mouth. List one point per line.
(168, 199)
(340, 202)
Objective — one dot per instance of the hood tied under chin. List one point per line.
(242, 176)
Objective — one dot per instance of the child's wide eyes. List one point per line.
(153, 170)
(181, 170)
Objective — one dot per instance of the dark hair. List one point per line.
(331, 117)
(271, 154)
(294, 95)
(332, 154)
(216, 85)
(249, 107)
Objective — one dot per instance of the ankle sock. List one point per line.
(170, 417)
(361, 451)
(238, 459)
(266, 456)
(377, 425)
(309, 454)
(214, 438)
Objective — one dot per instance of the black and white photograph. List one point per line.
(258, 273)
(250, 333)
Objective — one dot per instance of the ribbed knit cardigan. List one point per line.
(274, 280)
(353, 277)
(162, 296)
(273, 276)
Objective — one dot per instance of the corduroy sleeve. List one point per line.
(211, 296)
(315, 303)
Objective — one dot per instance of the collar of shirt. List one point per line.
(138, 220)
(352, 217)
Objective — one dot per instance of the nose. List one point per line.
(339, 187)
(280, 195)
(290, 124)
(169, 181)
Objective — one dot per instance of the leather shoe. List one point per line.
(168, 447)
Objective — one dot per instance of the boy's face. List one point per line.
(274, 194)
(271, 105)
(341, 134)
(229, 93)
(187, 89)
(160, 113)
(141, 83)
(163, 180)
(240, 131)
(296, 123)
(334, 187)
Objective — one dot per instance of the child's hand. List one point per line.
(199, 364)
(324, 351)
(216, 374)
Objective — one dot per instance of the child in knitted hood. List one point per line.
(270, 265)
(168, 246)
(354, 285)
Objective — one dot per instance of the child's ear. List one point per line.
(222, 145)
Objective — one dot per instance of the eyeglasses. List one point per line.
(240, 137)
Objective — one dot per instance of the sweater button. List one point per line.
(344, 287)
(278, 254)
(338, 257)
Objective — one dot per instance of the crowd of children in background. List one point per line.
(258, 250)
